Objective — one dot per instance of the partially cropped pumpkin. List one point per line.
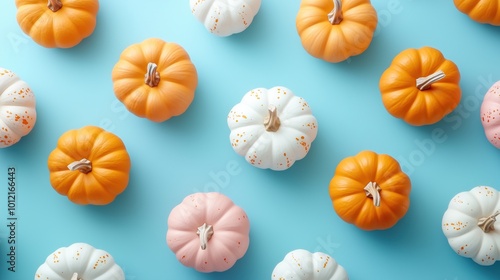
(301, 264)
(420, 86)
(272, 128)
(490, 114)
(471, 227)
(155, 79)
(79, 261)
(57, 23)
(208, 232)
(334, 30)
(370, 191)
(225, 17)
(17, 108)
(89, 165)
(482, 11)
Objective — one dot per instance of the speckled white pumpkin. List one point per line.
(79, 261)
(490, 114)
(17, 108)
(470, 224)
(225, 17)
(301, 264)
(272, 128)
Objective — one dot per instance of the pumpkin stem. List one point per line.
(336, 16)
(372, 190)
(84, 165)
(487, 224)
(272, 122)
(75, 277)
(424, 83)
(152, 77)
(54, 5)
(205, 233)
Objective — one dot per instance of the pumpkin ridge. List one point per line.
(63, 186)
(28, 15)
(37, 28)
(289, 124)
(310, 16)
(259, 119)
(123, 70)
(463, 230)
(81, 31)
(95, 258)
(254, 148)
(63, 251)
(484, 10)
(103, 144)
(359, 14)
(15, 80)
(250, 141)
(435, 98)
(215, 221)
(288, 113)
(484, 212)
(305, 142)
(17, 130)
(68, 24)
(115, 187)
(271, 93)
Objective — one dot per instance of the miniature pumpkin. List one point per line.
(301, 264)
(89, 165)
(334, 30)
(77, 262)
(420, 86)
(482, 11)
(155, 79)
(272, 128)
(471, 227)
(57, 23)
(17, 108)
(208, 232)
(490, 114)
(225, 17)
(370, 191)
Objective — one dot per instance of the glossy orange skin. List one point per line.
(482, 11)
(404, 100)
(110, 166)
(349, 198)
(65, 28)
(336, 42)
(178, 80)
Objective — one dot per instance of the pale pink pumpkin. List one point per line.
(208, 232)
(490, 114)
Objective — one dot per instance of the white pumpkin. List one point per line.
(301, 264)
(79, 261)
(17, 108)
(470, 224)
(272, 128)
(225, 17)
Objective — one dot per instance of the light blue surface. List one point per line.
(287, 210)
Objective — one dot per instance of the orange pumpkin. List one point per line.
(334, 30)
(57, 23)
(89, 165)
(155, 79)
(482, 11)
(370, 191)
(420, 86)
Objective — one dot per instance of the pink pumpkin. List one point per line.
(208, 232)
(490, 114)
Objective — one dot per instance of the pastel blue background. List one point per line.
(190, 153)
